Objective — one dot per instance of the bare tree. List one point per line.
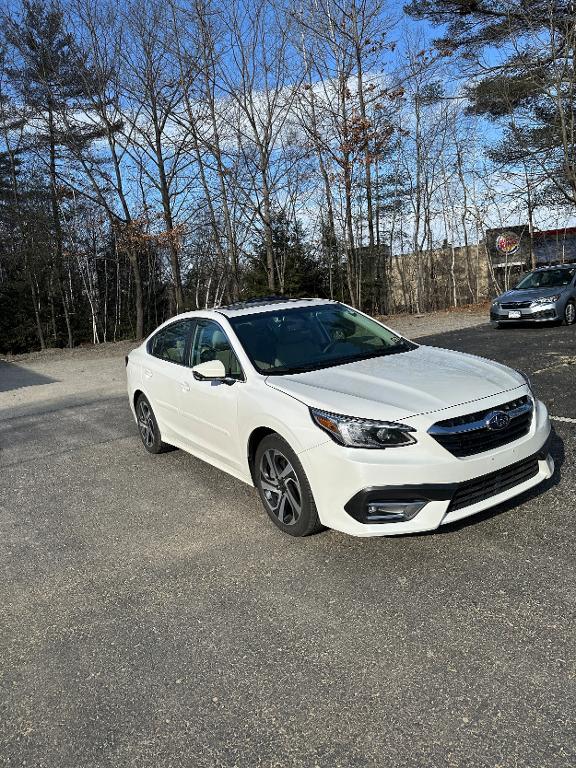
(258, 78)
(157, 143)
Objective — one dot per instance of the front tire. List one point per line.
(148, 427)
(284, 488)
(570, 313)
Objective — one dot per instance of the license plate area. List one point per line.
(514, 314)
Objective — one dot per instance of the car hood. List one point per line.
(402, 385)
(530, 294)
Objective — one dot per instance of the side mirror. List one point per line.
(210, 370)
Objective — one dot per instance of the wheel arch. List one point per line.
(135, 396)
(254, 440)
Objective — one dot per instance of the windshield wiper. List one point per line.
(402, 346)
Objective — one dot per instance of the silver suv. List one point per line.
(546, 294)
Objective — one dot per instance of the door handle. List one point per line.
(185, 386)
(147, 373)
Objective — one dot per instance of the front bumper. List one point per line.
(343, 479)
(539, 313)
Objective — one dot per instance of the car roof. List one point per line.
(543, 268)
(258, 305)
(243, 308)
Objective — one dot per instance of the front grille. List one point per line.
(469, 434)
(497, 482)
(516, 305)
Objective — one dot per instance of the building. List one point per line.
(511, 248)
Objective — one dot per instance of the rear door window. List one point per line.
(171, 343)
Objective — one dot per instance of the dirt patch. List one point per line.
(84, 352)
(54, 374)
(416, 326)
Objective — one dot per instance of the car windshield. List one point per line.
(546, 278)
(308, 338)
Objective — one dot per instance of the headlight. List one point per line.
(495, 303)
(546, 299)
(362, 433)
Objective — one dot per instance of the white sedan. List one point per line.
(337, 420)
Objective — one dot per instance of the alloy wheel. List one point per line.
(570, 313)
(280, 487)
(146, 423)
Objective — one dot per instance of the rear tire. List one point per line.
(570, 313)
(148, 427)
(284, 488)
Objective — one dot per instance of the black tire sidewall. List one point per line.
(565, 318)
(308, 522)
(157, 446)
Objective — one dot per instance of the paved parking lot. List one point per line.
(151, 616)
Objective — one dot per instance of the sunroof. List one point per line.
(258, 301)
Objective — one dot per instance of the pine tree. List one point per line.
(46, 77)
(521, 60)
(297, 272)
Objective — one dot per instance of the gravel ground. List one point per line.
(418, 326)
(41, 377)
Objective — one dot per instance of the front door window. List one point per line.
(211, 343)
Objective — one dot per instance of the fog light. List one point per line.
(394, 511)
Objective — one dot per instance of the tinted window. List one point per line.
(303, 339)
(547, 278)
(170, 343)
(211, 343)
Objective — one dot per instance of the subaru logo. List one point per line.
(497, 420)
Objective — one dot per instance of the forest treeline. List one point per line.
(164, 155)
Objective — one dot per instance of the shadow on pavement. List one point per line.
(13, 376)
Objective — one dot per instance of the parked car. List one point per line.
(544, 295)
(336, 419)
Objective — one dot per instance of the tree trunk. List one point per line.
(57, 226)
(23, 242)
(268, 239)
(351, 260)
(167, 210)
(367, 158)
(39, 330)
(138, 298)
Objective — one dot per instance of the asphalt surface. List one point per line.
(150, 615)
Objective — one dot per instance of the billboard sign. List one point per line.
(508, 243)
